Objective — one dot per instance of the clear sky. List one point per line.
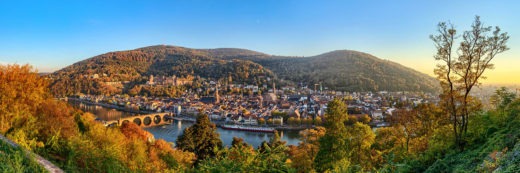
(53, 34)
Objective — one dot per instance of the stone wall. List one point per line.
(45, 163)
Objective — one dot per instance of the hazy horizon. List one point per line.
(52, 35)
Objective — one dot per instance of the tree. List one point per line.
(351, 120)
(364, 119)
(297, 121)
(270, 121)
(458, 75)
(201, 138)
(334, 149)
(390, 140)
(261, 121)
(22, 91)
(241, 157)
(73, 139)
(274, 142)
(277, 121)
(303, 155)
(307, 121)
(317, 121)
(361, 140)
(502, 98)
(239, 142)
(417, 125)
(291, 121)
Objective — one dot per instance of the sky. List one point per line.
(51, 35)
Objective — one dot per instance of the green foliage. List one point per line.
(502, 98)
(241, 157)
(334, 146)
(339, 70)
(15, 159)
(136, 65)
(361, 140)
(70, 139)
(349, 71)
(493, 145)
(201, 138)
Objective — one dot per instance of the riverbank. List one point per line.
(294, 128)
(189, 118)
(171, 131)
(111, 106)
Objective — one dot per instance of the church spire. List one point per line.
(274, 88)
(216, 96)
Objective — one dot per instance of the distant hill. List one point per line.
(351, 71)
(231, 53)
(345, 70)
(135, 66)
(341, 70)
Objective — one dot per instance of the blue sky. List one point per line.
(53, 34)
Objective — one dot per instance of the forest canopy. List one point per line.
(339, 70)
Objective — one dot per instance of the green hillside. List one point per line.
(340, 70)
(352, 71)
(135, 66)
(344, 70)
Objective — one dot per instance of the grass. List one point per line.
(15, 159)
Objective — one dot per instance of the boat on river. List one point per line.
(251, 129)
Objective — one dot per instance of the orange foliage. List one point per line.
(32, 118)
(132, 130)
(21, 92)
(302, 156)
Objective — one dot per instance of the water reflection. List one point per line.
(170, 132)
(101, 112)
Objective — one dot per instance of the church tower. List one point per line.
(217, 99)
(274, 88)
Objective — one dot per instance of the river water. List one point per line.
(170, 132)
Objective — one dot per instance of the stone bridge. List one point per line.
(145, 120)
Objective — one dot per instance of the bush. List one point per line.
(15, 159)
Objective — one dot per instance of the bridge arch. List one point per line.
(147, 121)
(157, 119)
(166, 117)
(137, 121)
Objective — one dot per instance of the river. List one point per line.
(170, 132)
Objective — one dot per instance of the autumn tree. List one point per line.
(360, 143)
(390, 140)
(22, 91)
(364, 119)
(317, 121)
(303, 155)
(201, 138)
(270, 121)
(239, 142)
(334, 149)
(72, 139)
(461, 68)
(261, 121)
(291, 121)
(417, 125)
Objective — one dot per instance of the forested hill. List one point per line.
(135, 66)
(351, 71)
(340, 70)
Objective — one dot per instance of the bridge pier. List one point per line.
(148, 120)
